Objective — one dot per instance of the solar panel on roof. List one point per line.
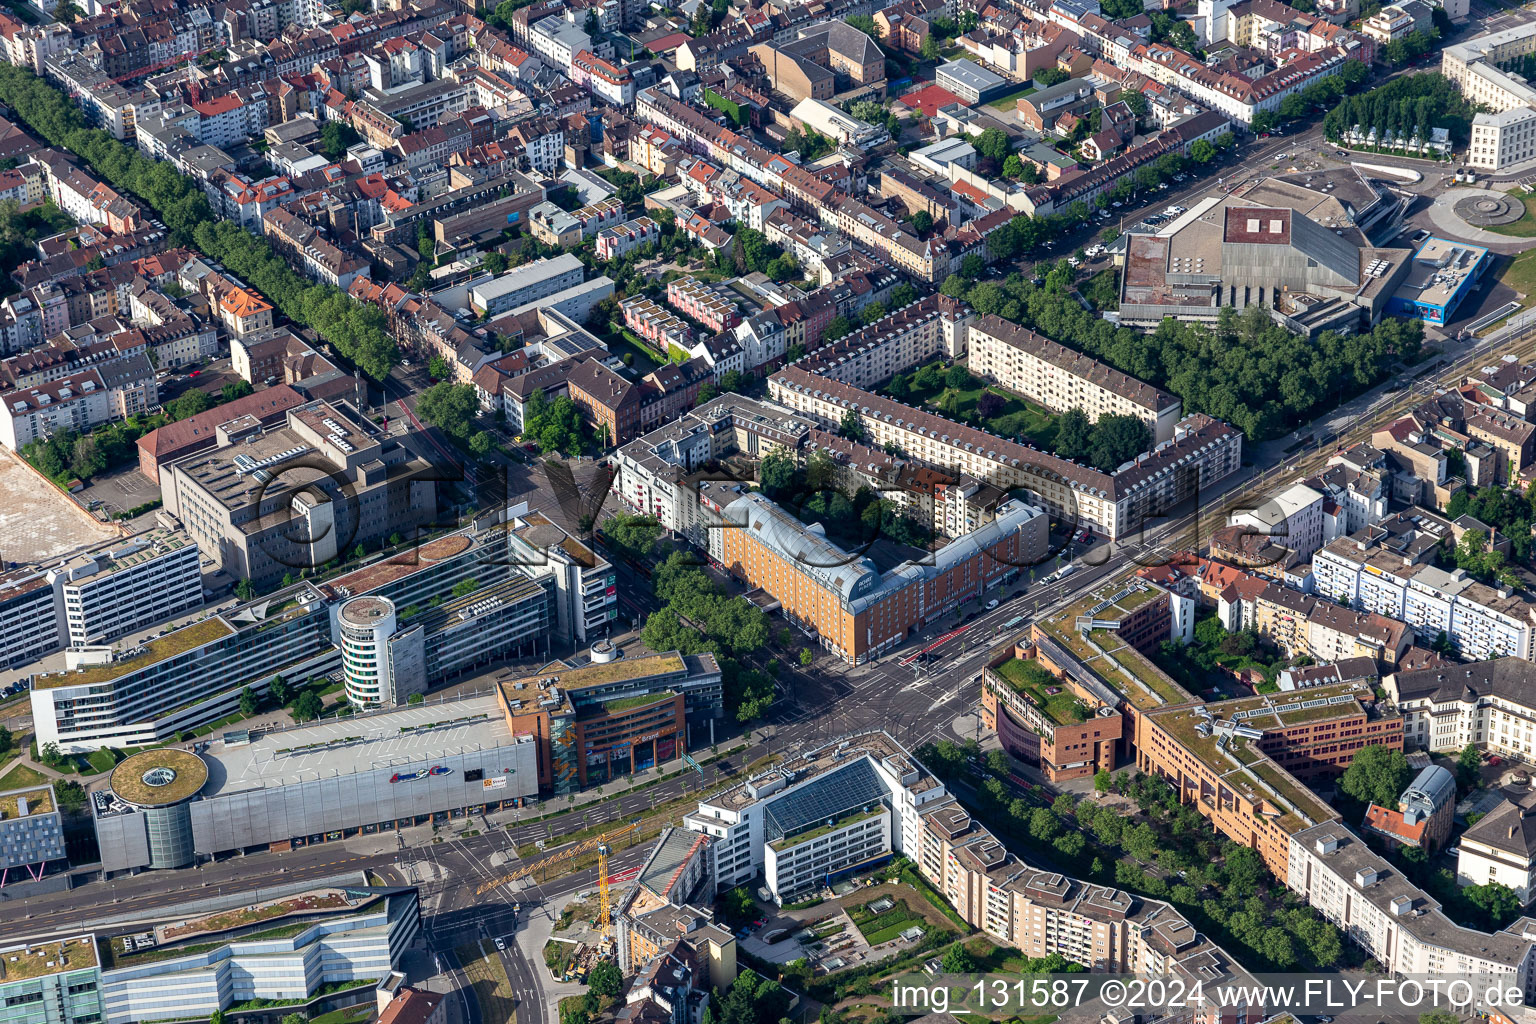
(830, 796)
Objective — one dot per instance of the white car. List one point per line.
(992, 604)
(500, 944)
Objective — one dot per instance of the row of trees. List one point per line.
(696, 616)
(357, 332)
(304, 703)
(20, 229)
(69, 453)
(1245, 369)
(1105, 443)
(1404, 106)
(1223, 888)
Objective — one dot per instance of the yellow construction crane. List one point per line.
(600, 844)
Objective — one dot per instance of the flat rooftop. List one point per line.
(40, 959)
(821, 760)
(284, 462)
(1118, 665)
(151, 652)
(622, 670)
(38, 800)
(125, 554)
(1440, 269)
(541, 532)
(397, 567)
(356, 744)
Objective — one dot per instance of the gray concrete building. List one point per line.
(285, 788)
(269, 502)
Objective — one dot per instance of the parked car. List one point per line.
(992, 604)
(500, 944)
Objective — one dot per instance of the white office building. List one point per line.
(527, 283)
(108, 593)
(830, 811)
(274, 963)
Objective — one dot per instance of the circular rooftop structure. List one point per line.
(443, 547)
(365, 612)
(159, 778)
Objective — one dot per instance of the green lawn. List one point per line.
(1007, 99)
(1020, 418)
(101, 760)
(1061, 707)
(22, 777)
(359, 1014)
(1520, 274)
(624, 341)
(1525, 227)
(878, 928)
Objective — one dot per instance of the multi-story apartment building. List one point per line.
(656, 325)
(1490, 704)
(1201, 451)
(856, 610)
(1500, 848)
(79, 403)
(688, 295)
(1060, 378)
(1295, 518)
(1502, 133)
(932, 327)
(656, 473)
(811, 818)
(1388, 569)
(1402, 928)
(1237, 761)
(620, 239)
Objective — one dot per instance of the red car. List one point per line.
(1495, 761)
(194, 373)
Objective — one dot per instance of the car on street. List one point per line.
(194, 373)
(500, 944)
(992, 604)
(1340, 152)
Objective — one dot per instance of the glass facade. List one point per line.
(73, 998)
(170, 836)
